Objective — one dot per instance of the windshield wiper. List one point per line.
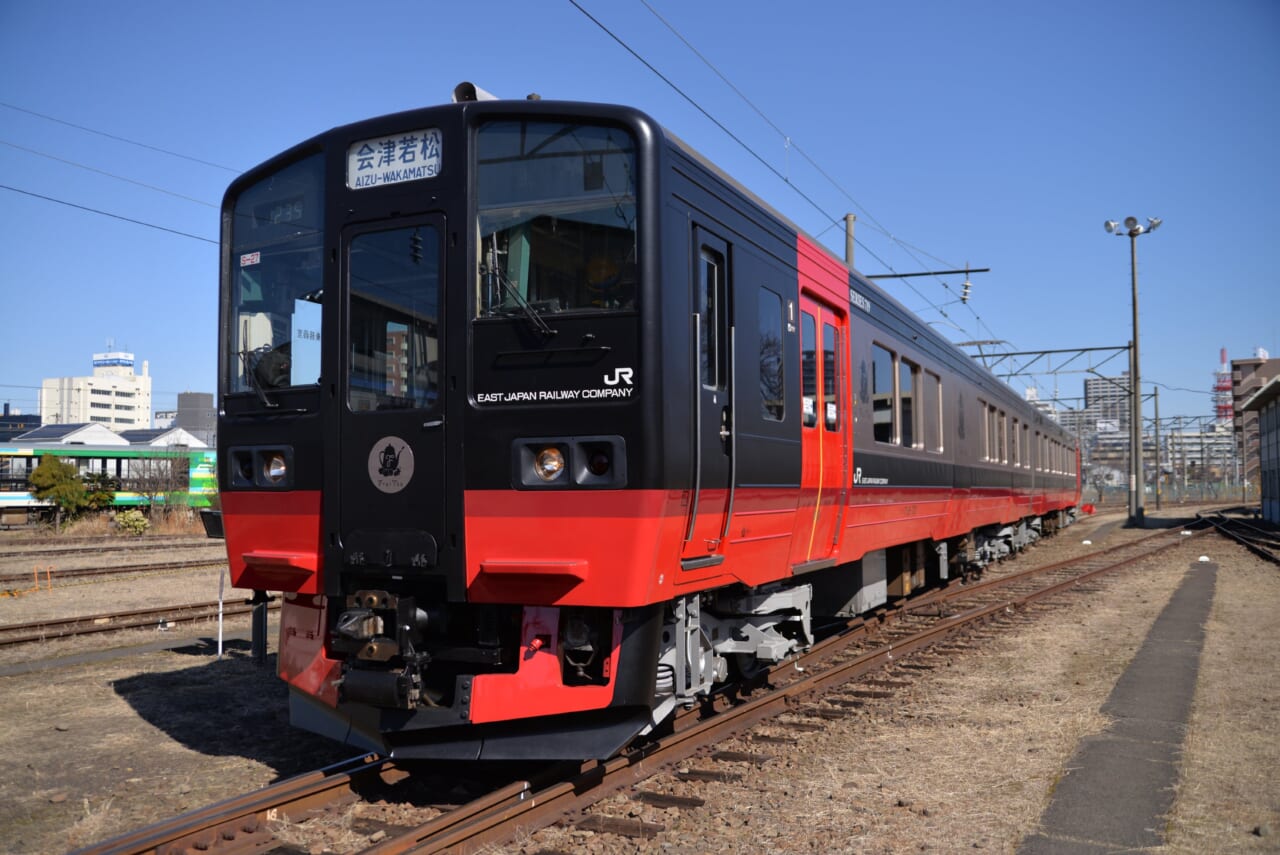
(251, 374)
(495, 272)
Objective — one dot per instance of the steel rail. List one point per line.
(961, 587)
(524, 806)
(37, 631)
(1227, 528)
(84, 572)
(24, 547)
(521, 809)
(241, 824)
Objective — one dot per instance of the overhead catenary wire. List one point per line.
(108, 174)
(911, 250)
(742, 143)
(89, 130)
(107, 214)
(789, 142)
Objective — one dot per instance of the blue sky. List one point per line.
(993, 134)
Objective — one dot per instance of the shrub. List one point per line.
(133, 521)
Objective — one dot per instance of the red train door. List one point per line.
(711, 501)
(824, 431)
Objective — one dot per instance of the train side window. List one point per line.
(908, 380)
(772, 362)
(830, 378)
(809, 367)
(989, 433)
(13, 475)
(712, 303)
(1026, 447)
(1002, 425)
(882, 393)
(1015, 456)
(993, 430)
(932, 427)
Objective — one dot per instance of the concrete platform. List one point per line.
(1117, 789)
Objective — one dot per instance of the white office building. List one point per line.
(114, 397)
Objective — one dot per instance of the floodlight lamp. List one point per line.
(1111, 226)
(1153, 223)
(1130, 223)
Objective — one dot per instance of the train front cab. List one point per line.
(438, 427)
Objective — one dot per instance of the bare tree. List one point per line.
(161, 479)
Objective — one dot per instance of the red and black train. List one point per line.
(545, 427)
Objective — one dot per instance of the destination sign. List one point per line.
(410, 156)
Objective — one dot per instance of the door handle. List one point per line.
(725, 432)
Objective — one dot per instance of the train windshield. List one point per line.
(557, 218)
(275, 281)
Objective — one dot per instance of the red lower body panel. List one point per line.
(302, 661)
(537, 688)
(584, 548)
(273, 540)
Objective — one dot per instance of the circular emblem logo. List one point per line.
(391, 464)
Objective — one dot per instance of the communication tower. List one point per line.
(1223, 409)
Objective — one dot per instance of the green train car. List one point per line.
(144, 476)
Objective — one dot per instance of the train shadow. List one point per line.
(1169, 522)
(234, 707)
(231, 706)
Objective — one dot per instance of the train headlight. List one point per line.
(261, 467)
(569, 462)
(549, 463)
(274, 469)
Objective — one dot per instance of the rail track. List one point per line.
(47, 575)
(23, 548)
(1262, 542)
(800, 693)
(162, 617)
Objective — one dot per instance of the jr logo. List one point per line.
(619, 375)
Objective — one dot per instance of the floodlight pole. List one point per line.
(1136, 485)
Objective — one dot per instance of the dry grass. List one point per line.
(965, 759)
(1230, 787)
(179, 521)
(90, 525)
(330, 831)
(94, 825)
(123, 743)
